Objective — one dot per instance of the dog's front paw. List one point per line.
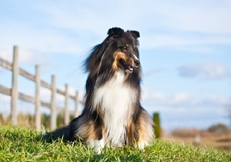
(141, 145)
(98, 145)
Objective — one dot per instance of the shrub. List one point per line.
(157, 127)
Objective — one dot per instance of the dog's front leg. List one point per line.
(144, 129)
(89, 130)
(96, 140)
(98, 145)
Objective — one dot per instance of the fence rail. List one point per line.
(15, 95)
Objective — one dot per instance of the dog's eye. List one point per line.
(125, 47)
(134, 48)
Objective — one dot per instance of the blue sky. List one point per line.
(185, 49)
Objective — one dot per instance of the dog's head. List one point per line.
(118, 51)
(126, 54)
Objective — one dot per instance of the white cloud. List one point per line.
(205, 70)
(38, 39)
(185, 101)
(184, 42)
(215, 100)
(158, 97)
(180, 98)
(4, 98)
(25, 55)
(70, 28)
(190, 16)
(177, 99)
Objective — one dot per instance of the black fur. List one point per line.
(101, 66)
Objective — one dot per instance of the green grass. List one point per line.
(22, 144)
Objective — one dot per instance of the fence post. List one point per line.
(14, 91)
(37, 100)
(53, 104)
(66, 111)
(76, 113)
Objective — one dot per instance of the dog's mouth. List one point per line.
(127, 67)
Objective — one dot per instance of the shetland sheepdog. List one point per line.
(112, 114)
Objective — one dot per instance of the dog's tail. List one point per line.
(63, 133)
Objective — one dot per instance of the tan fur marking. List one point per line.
(130, 133)
(117, 56)
(86, 131)
(145, 128)
(130, 61)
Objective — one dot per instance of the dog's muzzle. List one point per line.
(129, 67)
(136, 61)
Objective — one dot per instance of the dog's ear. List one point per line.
(115, 32)
(135, 34)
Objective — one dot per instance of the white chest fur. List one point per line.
(116, 100)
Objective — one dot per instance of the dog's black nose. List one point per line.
(137, 62)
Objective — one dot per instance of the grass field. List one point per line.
(22, 144)
(219, 142)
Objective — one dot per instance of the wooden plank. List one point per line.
(26, 74)
(81, 101)
(72, 97)
(45, 104)
(45, 85)
(6, 64)
(76, 113)
(26, 98)
(53, 104)
(59, 108)
(60, 92)
(72, 112)
(5, 91)
(37, 100)
(14, 92)
(15, 95)
(66, 111)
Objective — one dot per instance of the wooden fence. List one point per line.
(15, 95)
